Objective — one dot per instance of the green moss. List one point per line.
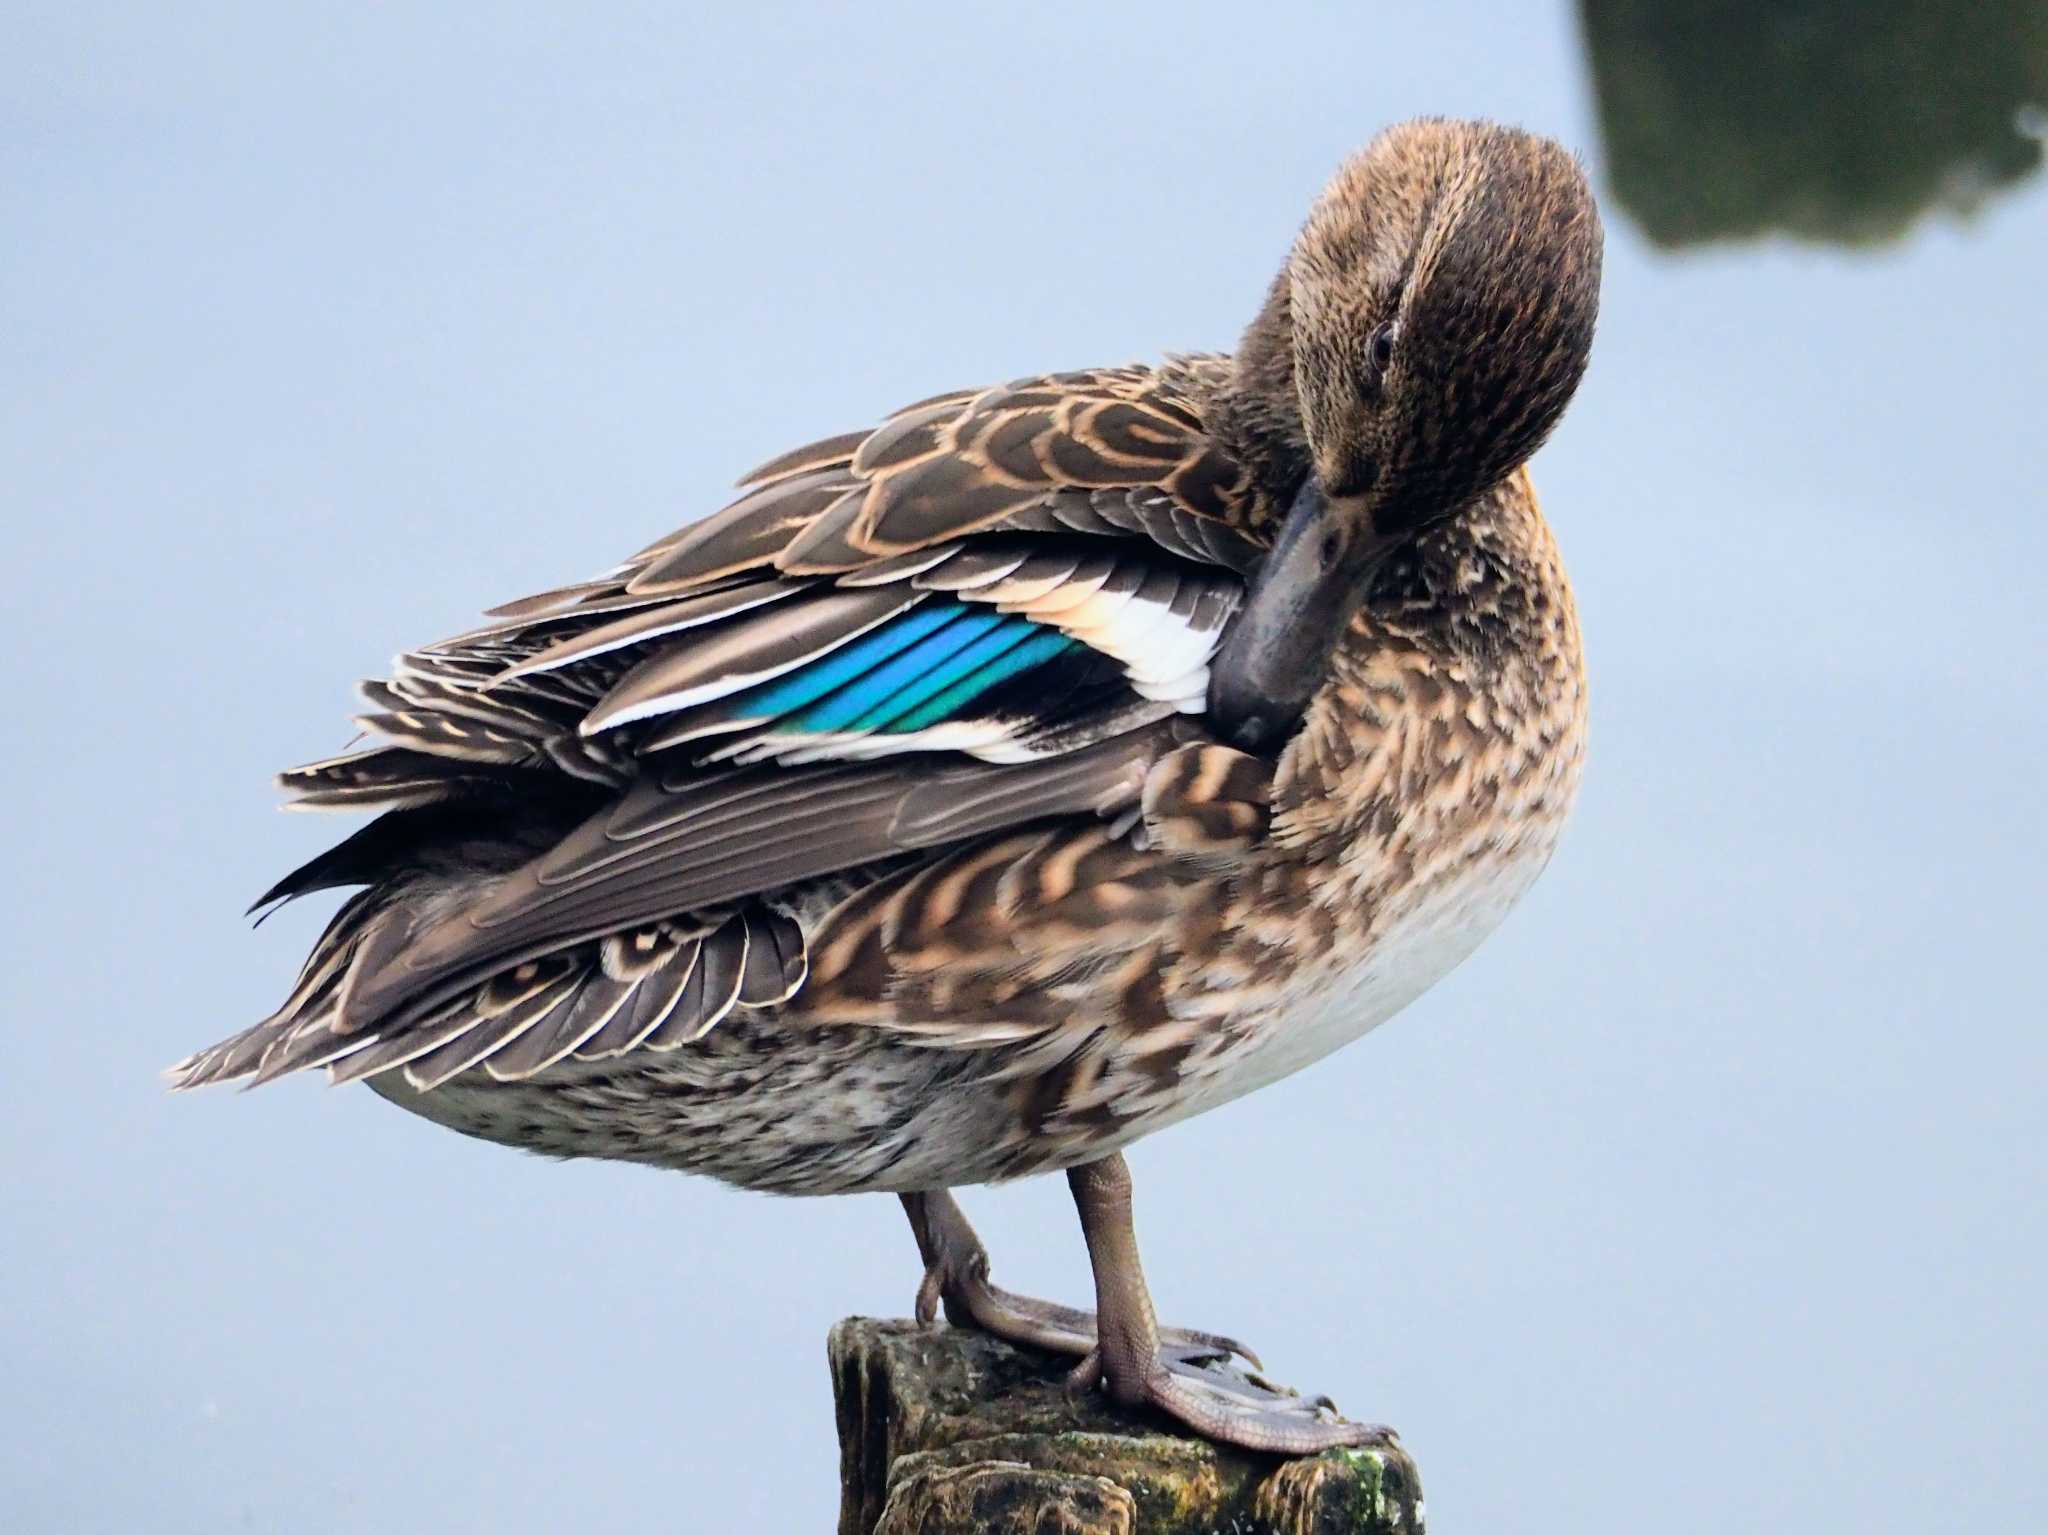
(1368, 1469)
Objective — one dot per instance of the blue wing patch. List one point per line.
(919, 670)
(1003, 652)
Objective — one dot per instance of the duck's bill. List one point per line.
(1277, 652)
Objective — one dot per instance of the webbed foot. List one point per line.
(1227, 1405)
(1138, 1362)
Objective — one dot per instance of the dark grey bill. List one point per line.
(1278, 649)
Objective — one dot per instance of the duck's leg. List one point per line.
(956, 1278)
(1137, 1363)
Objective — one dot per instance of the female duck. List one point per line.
(982, 792)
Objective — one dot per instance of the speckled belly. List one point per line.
(768, 1104)
(754, 1103)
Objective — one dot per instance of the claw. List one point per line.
(1213, 1345)
(929, 1290)
(1086, 1375)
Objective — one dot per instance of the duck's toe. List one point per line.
(1249, 1411)
(969, 1299)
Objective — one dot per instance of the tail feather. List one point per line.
(313, 1043)
(656, 988)
(382, 777)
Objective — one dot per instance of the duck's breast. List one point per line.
(1338, 997)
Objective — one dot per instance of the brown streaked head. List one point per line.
(1433, 319)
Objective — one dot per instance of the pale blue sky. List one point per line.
(1708, 1195)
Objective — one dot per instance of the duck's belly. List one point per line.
(756, 1103)
(770, 1104)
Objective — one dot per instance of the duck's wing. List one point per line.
(1085, 507)
(995, 609)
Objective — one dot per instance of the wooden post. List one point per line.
(943, 1430)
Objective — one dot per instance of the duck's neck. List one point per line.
(1486, 591)
(1463, 666)
(1253, 412)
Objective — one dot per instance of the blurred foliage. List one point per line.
(1838, 120)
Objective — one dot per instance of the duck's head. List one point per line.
(1432, 321)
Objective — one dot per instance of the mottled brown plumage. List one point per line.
(981, 792)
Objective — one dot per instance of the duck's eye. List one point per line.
(1379, 356)
(1383, 345)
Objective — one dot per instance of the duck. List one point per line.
(986, 789)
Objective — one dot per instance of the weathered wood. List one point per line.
(943, 1430)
